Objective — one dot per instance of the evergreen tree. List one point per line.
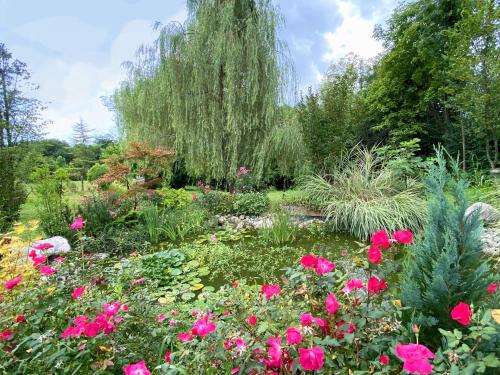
(81, 133)
(84, 155)
(446, 264)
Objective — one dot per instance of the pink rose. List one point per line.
(403, 236)
(381, 238)
(492, 288)
(311, 359)
(374, 255)
(78, 292)
(461, 313)
(138, 368)
(270, 290)
(47, 270)
(309, 261)
(78, 223)
(324, 266)
(13, 283)
(331, 304)
(293, 336)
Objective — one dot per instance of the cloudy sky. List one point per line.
(74, 49)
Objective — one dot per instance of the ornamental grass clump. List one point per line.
(362, 194)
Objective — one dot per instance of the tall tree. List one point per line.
(334, 118)
(20, 118)
(210, 88)
(84, 154)
(410, 97)
(475, 59)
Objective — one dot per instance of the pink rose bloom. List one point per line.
(184, 336)
(111, 308)
(172, 323)
(6, 335)
(461, 313)
(160, 318)
(235, 370)
(59, 259)
(270, 290)
(168, 358)
(353, 284)
(381, 238)
(324, 266)
(384, 360)
(374, 255)
(309, 261)
(274, 352)
(293, 336)
(203, 327)
(138, 281)
(20, 318)
(80, 319)
(91, 329)
(78, 292)
(311, 359)
(252, 320)
(13, 283)
(352, 328)
(320, 322)
(492, 288)
(47, 270)
(331, 304)
(38, 260)
(415, 357)
(78, 223)
(125, 307)
(403, 236)
(376, 285)
(306, 320)
(43, 246)
(104, 324)
(138, 368)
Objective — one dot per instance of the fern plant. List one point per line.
(446, 265)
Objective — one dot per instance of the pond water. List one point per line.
(259, 261)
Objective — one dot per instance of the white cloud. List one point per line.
(71, 83)
(353, 35)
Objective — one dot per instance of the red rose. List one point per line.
(461, 313)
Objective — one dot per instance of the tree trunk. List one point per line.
(462, 128)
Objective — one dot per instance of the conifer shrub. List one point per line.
(12, 193)
(445, 266)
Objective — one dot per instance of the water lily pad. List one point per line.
(188, 296)
(193, 264)
(209, 289)
(197, 287)
(203, 271)
(175, 272)
(196, 280)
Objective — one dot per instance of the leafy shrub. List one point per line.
(175, 198)
(252, 204)
(12, 193)
(217, 202)
(449, 252)
(363, 195)
(97, 211)
(96, 171)
(52, 208)
(245, 182)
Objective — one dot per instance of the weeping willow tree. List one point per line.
(210, 88)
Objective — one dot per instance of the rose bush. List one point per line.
(96, 316)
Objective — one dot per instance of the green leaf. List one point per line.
(188, 296)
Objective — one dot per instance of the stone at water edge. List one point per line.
(61, 245)
(489, 214)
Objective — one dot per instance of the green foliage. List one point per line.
(251, 204)
(217, 202)
(118, 240)
(12, 193)
(363, 195)
(177, 224)
(281, 230)
(210, 88)
(175, 198)
(96, 171)
(446, 265)
(151, 217)
(474, 351)
(331, 119)
(51, 205)
(96, 210)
